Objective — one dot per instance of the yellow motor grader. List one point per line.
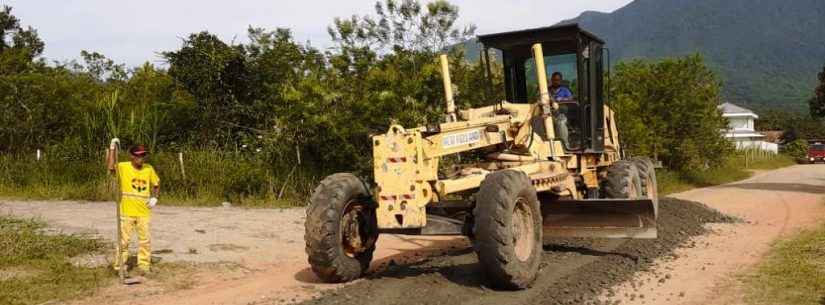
(549, 167)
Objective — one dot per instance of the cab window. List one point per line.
(565, 64)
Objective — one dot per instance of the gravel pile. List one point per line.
(574, 271)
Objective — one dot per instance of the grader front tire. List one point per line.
(508, 230)
(650, 187)
(623, 181)
(341, 229)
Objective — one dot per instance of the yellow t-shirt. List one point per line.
(136, 188)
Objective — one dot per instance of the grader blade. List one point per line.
(602, 218)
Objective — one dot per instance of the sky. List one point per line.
(133, 32)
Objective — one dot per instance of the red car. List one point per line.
(816, 152)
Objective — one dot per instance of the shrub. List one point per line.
(797, 149)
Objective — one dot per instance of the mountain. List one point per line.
(767, 52)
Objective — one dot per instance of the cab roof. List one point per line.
(562, 34)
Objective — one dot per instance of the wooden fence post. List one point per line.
(182, 169)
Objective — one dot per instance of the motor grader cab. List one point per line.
(576, 55)
(548, 168)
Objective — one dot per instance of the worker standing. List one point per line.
(139, 190)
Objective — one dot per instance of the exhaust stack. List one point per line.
(548, 105)
(448, 88)
(541, 73)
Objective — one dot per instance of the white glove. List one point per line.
(152, 202)
(114, 143)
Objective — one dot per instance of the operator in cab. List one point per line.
(559, 91)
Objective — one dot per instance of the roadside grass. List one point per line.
(793, 272)
(763, 163)
(207, 178)
(37, 267)
(735, 168)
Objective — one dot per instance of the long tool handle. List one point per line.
(121, 270)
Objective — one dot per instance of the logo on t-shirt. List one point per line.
(139, 185)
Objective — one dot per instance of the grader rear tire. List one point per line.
(508, 230)
(341, 229)
(623, 181)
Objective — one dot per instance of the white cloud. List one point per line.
(134, 31)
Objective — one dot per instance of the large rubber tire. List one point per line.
(650, 186)
(647, 173)
(329, 215)
(508, 230)
(623, 181)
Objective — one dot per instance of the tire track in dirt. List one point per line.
(574, 271)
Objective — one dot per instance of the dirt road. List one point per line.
(268, 244)
(773, 204)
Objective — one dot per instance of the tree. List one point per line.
(28, 100)
(216, 75)
(101, 68)
(19, 47)
(160, 111)
(795, 125)
(776, 119)
(275, 62)
(668, 109)
(403, 25)
(817, 103)
(383, 70)
(287, 97)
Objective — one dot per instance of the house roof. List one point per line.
(773, 136)
(728, 108)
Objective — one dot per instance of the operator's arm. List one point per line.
(111, 155)
(154, 181)
(110, 160)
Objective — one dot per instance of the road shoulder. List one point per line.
(773, 205)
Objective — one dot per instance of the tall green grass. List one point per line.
(58, 178)
(210, 177)
(207, 178)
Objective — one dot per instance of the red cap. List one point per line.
(138, 151)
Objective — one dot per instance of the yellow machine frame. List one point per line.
(406, 161)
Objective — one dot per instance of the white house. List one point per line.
(741, 129)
